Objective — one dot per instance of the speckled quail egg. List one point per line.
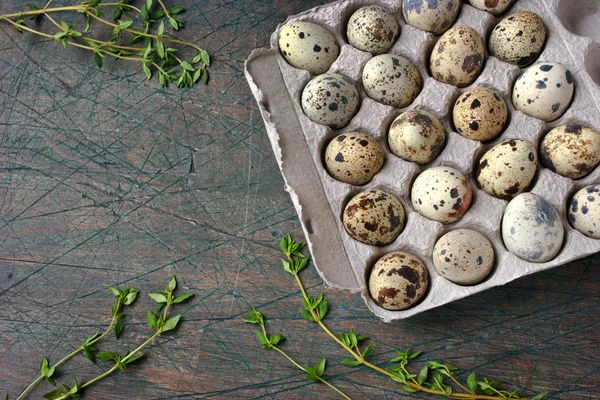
(518, 39)
(398, 281)
(391, 80)
(441, 194)
(308, 46)
(507, 169)
(373, 29)
(532, 229)
(457, 58)
(584, 211)
(353, 158)
(494, 7)
(463, 256)
(331, 100)
(544, 91)
(572, 151)
(434, 16)
(480, 114)
(374, 217)
(417, 136)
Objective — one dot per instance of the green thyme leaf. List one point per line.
(368, 350)
(171, 323)
(350, 362)
(183, 298)
(408, 389)
(152, 319)
(157, 297)
(423, 375)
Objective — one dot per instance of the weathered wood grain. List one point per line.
(95, 172)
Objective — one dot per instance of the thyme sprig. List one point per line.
(436, 378)
(156, 56)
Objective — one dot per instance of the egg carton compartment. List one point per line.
(299, 145)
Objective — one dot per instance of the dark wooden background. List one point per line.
(108, 179)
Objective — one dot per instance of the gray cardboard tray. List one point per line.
(298, 144)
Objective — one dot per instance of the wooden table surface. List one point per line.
(108, 179)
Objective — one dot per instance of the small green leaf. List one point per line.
(541, 396)
(53, 395)
(323, 309)
(450, 367)
(423, 375)
(34, 7)
(160, 49)
(205, 57)
(255, 317)
(320, 367)
(118, 330)
(350, 362)
(134, 358)
(147, 71)
(183, 298)
(157, 297)
(136, 39)
(204, 77)
(414, 355)
(360, 338)
(156, 15)
(187, 66)
(448, 390)
(171, 323)
(117, 13)
(98, 59)
(115, 292)
(109, 356)
(435, 365)
(44, 365)
(302, 264)
(307, 315)
(90, 353)
(172, 284)
(148, 4)
(311, 373)
(161, 28)
(263, 340)
(174, 24)
(276, 339)
(286, 266)
(472, 382)
(176, 10)
(152, 319)
(368, 350)
(408, 389)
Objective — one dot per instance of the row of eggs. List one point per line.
(531, 229)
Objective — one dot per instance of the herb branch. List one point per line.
(155, 56)
(313, 374)
(435, 378)
(123, 298)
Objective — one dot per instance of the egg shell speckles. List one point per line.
(507, 169)
(330, 100)
(463, 256)
(532, 229)
(434, 16)
(373, 29)
(458, 57)
(417, 136)
(391, 80)
(398, 281)
(572, 151)
(353, 158)
(544, 91)
(584, 211)
(518, 39)
(308, 46)
(494, 7)
(441, 194)
(374, 217)
(480, 114)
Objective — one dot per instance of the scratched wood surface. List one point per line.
(107, 179)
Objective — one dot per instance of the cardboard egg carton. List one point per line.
(319, 199)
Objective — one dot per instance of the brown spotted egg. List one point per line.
(308, 46)
(572, 151)
(391, 80)
(584, 211)
(441, 194)
(518, 39)
(434, 16)
(494, 7)
(457, 58)
(417, 136)
(507, 169)
(374, 217)
(398, 281)
(463, 256)
(532, 229)
(353, 158)
(480, 114)
(330, 99)
(544, 91)
(373, 29)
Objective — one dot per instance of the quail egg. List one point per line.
(391, 80)
(572, 151)
(532, 229)
(494, 7)
(544, 91)
(584, 211)
(353, 158)
(434, 16)
(463, 256)
(398, 281)
(441, 194)
(480, 114)
(374, 217)
(331, 100)
(417, 136)
(507, 169)
(308, 46)
(373, 29)
(457, 58)
(518, 39)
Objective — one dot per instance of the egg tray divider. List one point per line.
(299, 143)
